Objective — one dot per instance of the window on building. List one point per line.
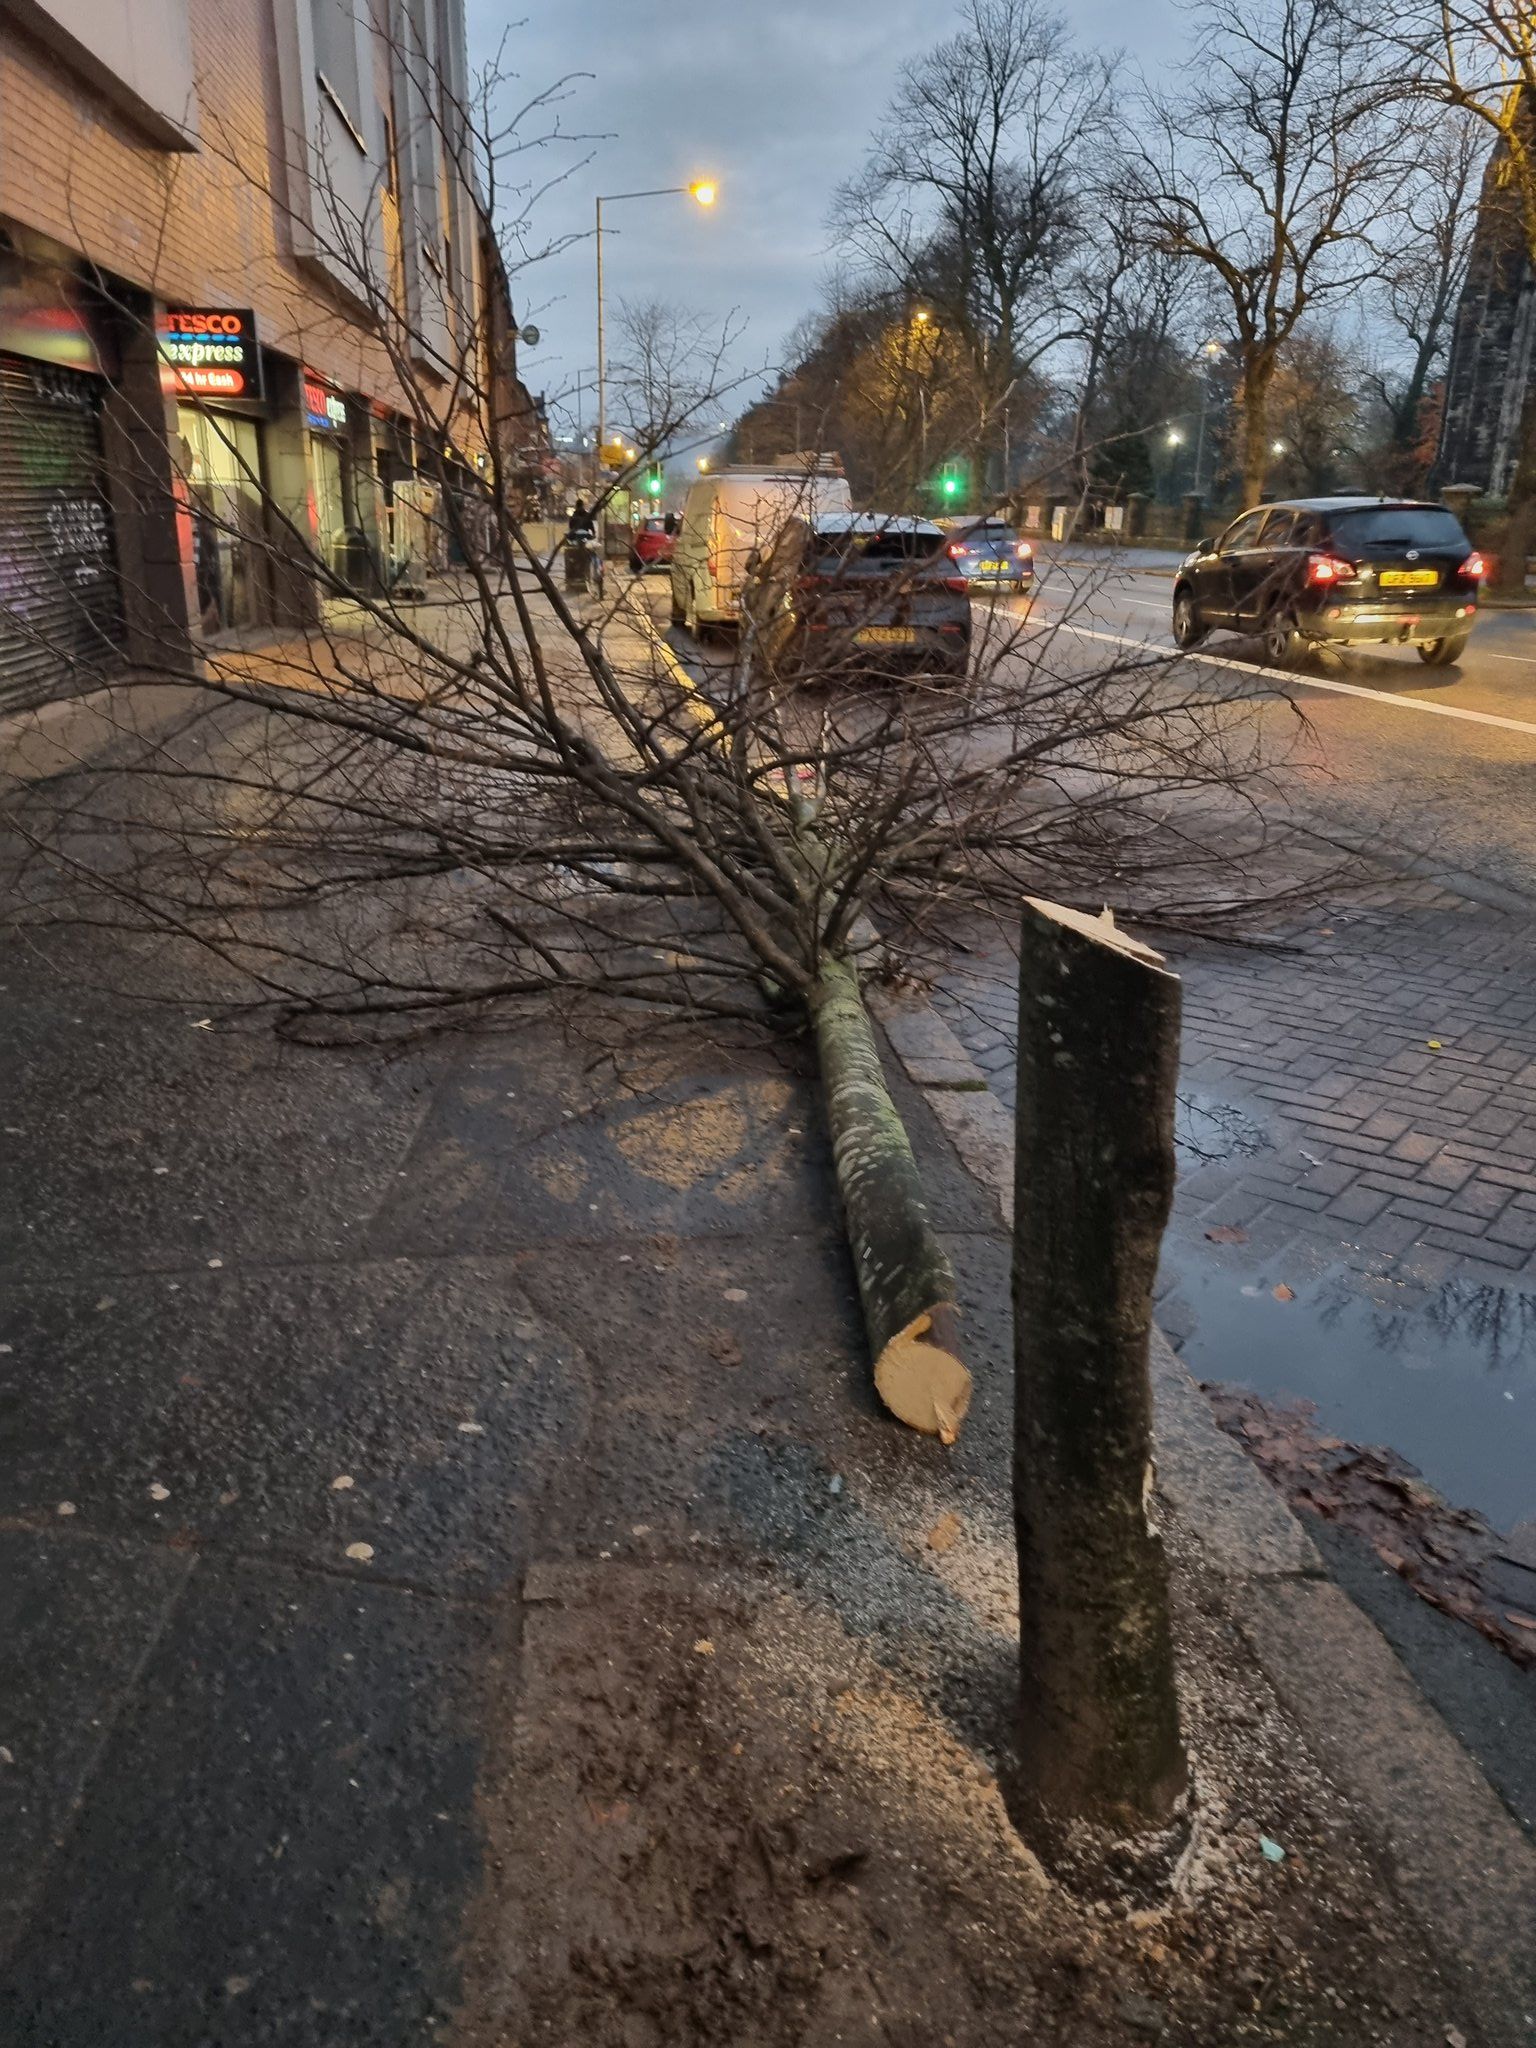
(335, 24)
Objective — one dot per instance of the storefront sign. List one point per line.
(46, 315)
(210, 353)
(325, 412)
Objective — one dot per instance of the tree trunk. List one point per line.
(1520, 530)
(1099, 1746)
(1257, 378)
(906, 1284)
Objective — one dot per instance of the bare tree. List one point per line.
(1424, 267)
(974, 196)
(416, 814)
(669, 365)
(1269, 175)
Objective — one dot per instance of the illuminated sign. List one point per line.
(209, 353)
(324, 411)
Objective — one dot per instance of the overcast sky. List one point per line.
(775, 98)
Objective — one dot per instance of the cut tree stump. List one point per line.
(906, 1283)
(1100, 1754)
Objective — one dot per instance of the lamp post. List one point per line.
(1209, 350)
(705, 192)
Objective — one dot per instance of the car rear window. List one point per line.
(1409, 526)
(879, 547)
(990, 536)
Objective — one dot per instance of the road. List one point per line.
(1360, 1105)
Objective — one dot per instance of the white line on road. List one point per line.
(1281, 675)
(1487, 654)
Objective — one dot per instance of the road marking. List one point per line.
(1487, 654)
(1281, 675)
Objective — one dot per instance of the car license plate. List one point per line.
(993, 569)
(885, 636)
(1409, 579)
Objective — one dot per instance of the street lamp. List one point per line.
(1210, 350)
(703, 465)
(1175, 438)
(704, 192)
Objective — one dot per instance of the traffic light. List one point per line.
(949, 484)
(653, 481)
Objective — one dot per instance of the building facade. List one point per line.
(243, 290)
(1492, 346)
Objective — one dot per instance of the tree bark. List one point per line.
(906, 1284)
(1256, 383)
(1520, 528)
(1099, 1744)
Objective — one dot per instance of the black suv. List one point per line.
(1336, 570)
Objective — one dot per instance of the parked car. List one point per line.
(1335, 571)
(732, 514)
(990, 551)
(852, 592)
(652, 544)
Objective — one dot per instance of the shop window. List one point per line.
(221, 462)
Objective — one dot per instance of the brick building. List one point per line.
(1491, 346)
(204, 204)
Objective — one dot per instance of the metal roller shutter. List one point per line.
(61, 624)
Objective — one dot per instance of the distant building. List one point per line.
(189, 375)
(1492, 346)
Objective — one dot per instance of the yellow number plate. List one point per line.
(1409, 579)
(884, 636)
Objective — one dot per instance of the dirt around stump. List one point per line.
(717, 1823)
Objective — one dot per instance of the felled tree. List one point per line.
(418, 814)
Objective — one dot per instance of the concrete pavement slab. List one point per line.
(79, 1614)
(281, 1837)
(221, 1414)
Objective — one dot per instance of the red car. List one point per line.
(652, 543)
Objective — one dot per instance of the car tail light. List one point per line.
(710, 570)
(955, 550)
(809, 582)
(957, 583)
(1474, 568)
(1329, 569)
(1024, 551)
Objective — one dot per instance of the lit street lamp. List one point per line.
(705, 192)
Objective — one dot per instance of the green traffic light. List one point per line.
(653, 483)
(951, 487)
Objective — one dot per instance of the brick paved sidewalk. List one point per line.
(1319, 1119)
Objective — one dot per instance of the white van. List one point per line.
(731, 512)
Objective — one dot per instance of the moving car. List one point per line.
(1335, 571)
(851, 592)
(990, 551)
(652, 544)
(732, 514)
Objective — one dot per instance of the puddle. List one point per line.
(1448, 1379)
(1207, 1132)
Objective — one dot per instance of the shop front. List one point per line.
(211, 365)
(61, 610)
(331, 483)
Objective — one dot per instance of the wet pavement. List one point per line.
(307, 1356)
(1357, 1129)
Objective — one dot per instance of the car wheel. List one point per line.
(636, 566)
(1282, 642)
(1444, 653)
(678, 615)
(1189, 629)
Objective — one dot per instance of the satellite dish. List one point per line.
(528, 336)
